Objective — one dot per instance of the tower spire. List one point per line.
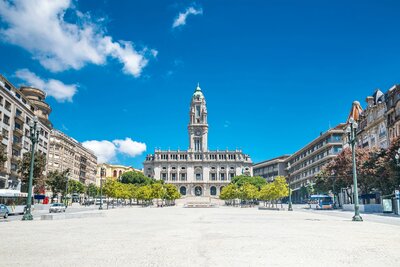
(198, 87)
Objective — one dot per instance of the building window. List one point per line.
(115, 173)
(183, 176)
(198, 177)
(164, 176)
(8, 106)
(182, 190)
(213, 177)
(173, 176)
(213, 191)
(6, 119)
(222, 176)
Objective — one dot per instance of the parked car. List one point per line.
(4, 211)
(57, 207)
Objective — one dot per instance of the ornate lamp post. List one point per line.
(34, 136)
(102, 172)
(66, 191)
(290, 208)
(397, 157)
(351, 134)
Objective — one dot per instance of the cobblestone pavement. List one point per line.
(200, 237)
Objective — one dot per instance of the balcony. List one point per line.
(17, 145)
(15, 158)
(18, 131)
(20, 118)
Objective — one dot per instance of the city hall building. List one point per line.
(197, 171)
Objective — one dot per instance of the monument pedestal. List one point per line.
(199, 202)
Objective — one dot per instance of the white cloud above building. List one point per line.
(107, 151)
(54, 88)
(40, 27)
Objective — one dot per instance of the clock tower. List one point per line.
(198, 126)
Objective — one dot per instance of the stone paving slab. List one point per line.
(176, 236)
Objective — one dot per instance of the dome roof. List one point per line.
(198, 93)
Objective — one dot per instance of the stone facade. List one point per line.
(112, 171)
(393, 112)
(18, 107)
(197, 171)
(269, 169)
(372, 131)
(67, 153)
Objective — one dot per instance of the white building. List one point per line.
(197, 171)
(17, 108)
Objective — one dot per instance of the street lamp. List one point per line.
(351, 134)
(397, 157)
(34, 136)
(290, 208)
(102, 172)
(66, 191)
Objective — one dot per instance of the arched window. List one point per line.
(120, 173)
(220, 189)
(182, 190)
(213, 191)
(198, 191)
(115, 173)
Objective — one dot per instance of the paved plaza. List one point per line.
(222, 236)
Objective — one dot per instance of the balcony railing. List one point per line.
(18, 131)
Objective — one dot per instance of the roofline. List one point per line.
(332, 130)
(282, 158)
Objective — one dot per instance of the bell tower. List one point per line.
(198, 126)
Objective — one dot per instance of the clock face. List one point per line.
(197, 132)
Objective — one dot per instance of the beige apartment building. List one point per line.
(67, 153)
(112, 171)
(270, 169)
(18, 107)
(309, 160)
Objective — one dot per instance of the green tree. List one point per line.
(110, 188)
(171, 194)
(281, 187)
(3, 154)
(92, 190)
(38, 169)
(159, 192)
(76, 187)
(266, 193)
(248, 192)
(144, 193)
(257, 181)
(57, 181)
(229, 193)
(137, 178)
(132, 190)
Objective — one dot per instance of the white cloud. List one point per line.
(106, 151)
(39, 27)
(130, 147)
(54, 88)
(181, 18)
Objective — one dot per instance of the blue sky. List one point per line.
(120, 74)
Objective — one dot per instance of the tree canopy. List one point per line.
(257, 181)
(136, 178)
